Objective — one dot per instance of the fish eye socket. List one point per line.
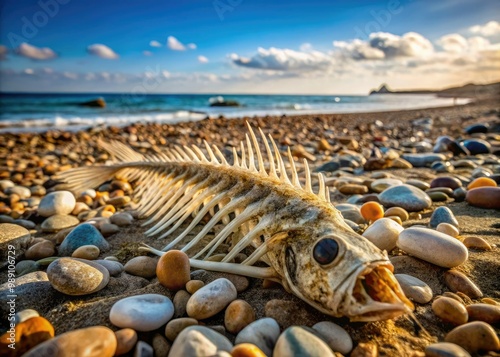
(325, 251)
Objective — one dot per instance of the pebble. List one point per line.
(407, 197)
(108, 229)
(96, 341)
(433, 247)
(445, 349)
(423, 159)
(238, 315)
(193, 286)
(397, 211)
(15, 235)
(175, 327)
(335, 336)
(446, 181)
(89, 252)
(457, 282)
(40, 250)
(476, 243)
(200, 341)
(474, 337)
(459, 194)
(25, 223)
(442, 215)
(57, 222)
(26, 266)
(477, 146)
(380, 185)
(126, 339)
(438, 196)
(115, 268)
(143, 266)
(28, 334)
(350, 212)
(58, 202)
(450, 310)
(482, 182)
(145, 312)
(181, 298)
(353, 189)
(484, 197)
(84, 234)
(419, 184)
(173, 270)
(21, 191)
(414, 288)
(263, 333)
(448, 229)
(211, 299)
(247, 350)
(122, 219)
(24, 315)
(161, 346)
(297, 341)
(383, 233)
(371, 211)
(484, 312)
(5, 184)
(76, 277)
(79, 208)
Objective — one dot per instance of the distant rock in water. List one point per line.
(384, 89)
(221, 102)
(96, 103)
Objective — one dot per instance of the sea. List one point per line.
(50, 111)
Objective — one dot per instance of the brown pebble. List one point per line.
(484, 197)
(247, 350)
(90, 252)
(126, 339)
(476, 243)
(238, 315)
(175, 327)
(453, 296)
(450, 310)
(161, 346)
(365, 349)
(484, 312)
(27, 335)
(352, 189)
(457, 281)
(193, 285)
(173, 270)
(180, 302)
(40, 250)
(490, 301)
(467, 300)
(144, 267)
(474, 337)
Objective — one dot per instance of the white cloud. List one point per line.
(147, 53)
(191, 46)
(102, 51)
(358, 49)
(284, 60)
(176, 45)
(456, 43)
(306, 47)
(491, 28)
(36, 53)
(155, 44)
(202, 59)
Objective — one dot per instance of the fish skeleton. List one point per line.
(300, 236)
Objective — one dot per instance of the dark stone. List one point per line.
(446, 181)
(459, 194)
(477, 146)
(476, 128)
(328, 167)
(96, 103)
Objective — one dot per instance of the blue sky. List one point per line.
(245, 45)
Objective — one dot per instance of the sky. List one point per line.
(246, 46)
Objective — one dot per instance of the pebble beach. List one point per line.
(424, 185)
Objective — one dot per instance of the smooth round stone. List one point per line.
(371, 211)
(173, 270)
(418, 184)
(445, 349)
(26, 266)
(175, 327)
(247, 350)
(476, 128)
(84, 234)
(433, 247)
(28, 334)
(24, 315)
(122, 219)
(143, 349)
(477, 243)
(145, 312)
(477, 146)
(423, 159)
(40, 250)
(25, 223)
(450, 310)
(384, 233)
(144, 267)
(446, 181)
(181, 298)
(449, 229)
(484, 197)
(21, 191)
(161, 347)
(58, 222)
(459, 194)
(263, 333)
(73, 276)
(5, 184)
(442, 166)
(58, 202)
(456, 281)
(408, 197)
(297, 341)
(484, 312)
(335, 336)
(211, 299)
(115, 268)
(89, 252)
(96, 341)
(414, 288)
(482, 182)
(474, 337)
(126, 339)
(398, 212)
(353, 189)
(442, 215)
(15, 235)
(200, 341)
(108, 229)
(437, 196)
(193, 286)
(238, 315)
(350, 212)
(384, 183)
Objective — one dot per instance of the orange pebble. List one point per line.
(247, 350)
(482, 182)
(371, 211)
(28, 334)
(173, 270)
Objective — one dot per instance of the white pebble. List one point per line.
(337, 338)
(58, 202)
(414, 288)
(384, 233)
(211, 299)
